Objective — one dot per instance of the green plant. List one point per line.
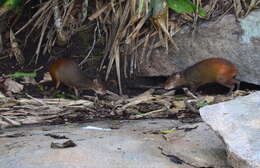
(22, 74)
(185, 6)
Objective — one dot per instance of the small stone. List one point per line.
(66, 144)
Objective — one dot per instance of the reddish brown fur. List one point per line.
(67, 71)
(210, 70)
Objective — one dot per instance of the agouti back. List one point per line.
(212, 70)
(67, 71)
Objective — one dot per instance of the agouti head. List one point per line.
(99, 86)
(174, 81)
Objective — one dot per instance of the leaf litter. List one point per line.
(150, 104)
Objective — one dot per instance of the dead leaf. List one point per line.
(208, 99)
(13, 135)
(10, 121)
(28, 80)
(179, 104)
(56, 136)
(46, 78)
(3, 124)
(15, 50)
(240, 93)
(174, 110)
(2, 95)
(12, 86)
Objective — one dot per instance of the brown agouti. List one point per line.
(67, 71)
(212, 70)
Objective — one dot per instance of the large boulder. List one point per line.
(238, 123)
(227, 37)
(196, 145)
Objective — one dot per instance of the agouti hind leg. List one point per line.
(53, 90)
(190, 93)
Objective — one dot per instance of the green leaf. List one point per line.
(199, 105)
(179, 97)
(185, 6)
(157, 8)
(202, 12)
(138, 113)
(40, 87)
(168, 131)
(73, 96)
(140, 6)
(10, 4)
(59, 96)
(22, 74)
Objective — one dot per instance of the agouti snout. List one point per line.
(212, 70)
(99, 86)
(67, 71)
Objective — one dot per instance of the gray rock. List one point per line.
(134, 144)
(200, 147)
(126, 147)
(237, 41)
(238, 123)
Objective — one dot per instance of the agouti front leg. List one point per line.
(57, 84)
(237, 82)
(231, 84)
(76, 92)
